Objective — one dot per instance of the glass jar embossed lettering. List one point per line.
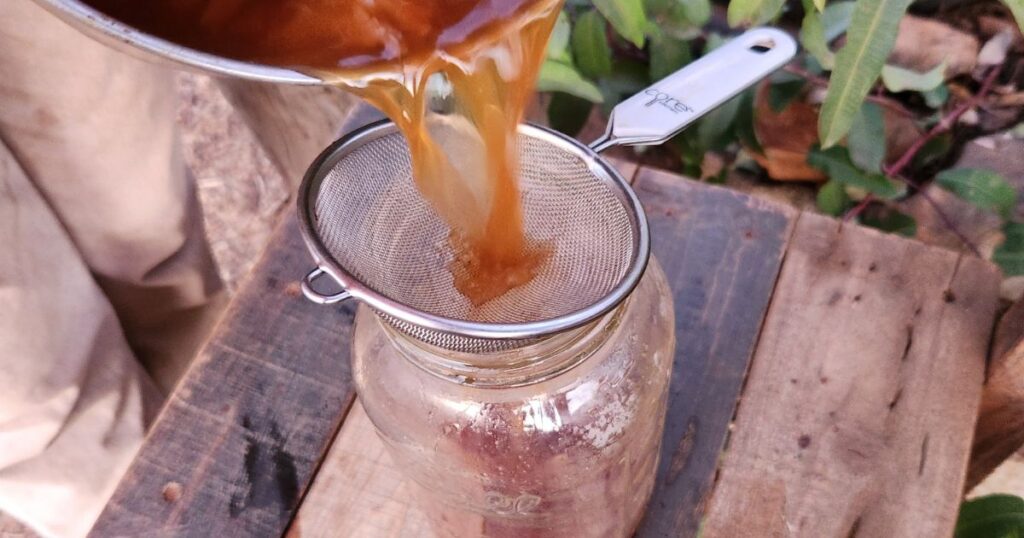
(559, 438)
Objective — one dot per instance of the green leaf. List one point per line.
(712, 41)
(871, 36)
(667, 56)
(744, 125)
(628, 77)
(812, 36)
(1000, 526)
(933, 151)
(1010, 256)
(897, 79)
(713, 128)
(558, 43)
(832, 198)
(936, 97)
(561, 77)
(983, 188)
(1017, 131)
(568, 113)
(866, 142)
(991, 516)
(590, 46)
(1017, 8)
(819, 4)
(679, 19)
(892, 221)
(627, 17)
(836, 19)
(783, 90)
(690, 151)
(836, 163)
(753, 12)
(697, 12)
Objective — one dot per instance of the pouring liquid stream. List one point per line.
(465, 162)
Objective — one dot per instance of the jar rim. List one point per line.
(537, 362)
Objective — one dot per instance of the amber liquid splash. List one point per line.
(465, 161)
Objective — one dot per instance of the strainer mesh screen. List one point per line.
(373, 222)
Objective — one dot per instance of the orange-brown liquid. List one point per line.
(464, 162)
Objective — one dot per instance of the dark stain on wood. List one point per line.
(171, 492)
(681, 455)
(924, 455)
(909, 344)
(855, 527)
(895, 398)
(722, 252)
(277, 488)
(245, 430)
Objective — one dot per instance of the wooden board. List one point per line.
(237, 444)
(1000, 430)
(721, 251)
(359, 492)
(857, 417)
(855, 421)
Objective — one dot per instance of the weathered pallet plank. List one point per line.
(359, 492)
(721, 251)
(857, 416)
(1000, 430)
(237, 444)
(239, 440)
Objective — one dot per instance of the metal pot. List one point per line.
(148, 47)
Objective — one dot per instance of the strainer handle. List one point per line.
(659, 112)
(317, 297)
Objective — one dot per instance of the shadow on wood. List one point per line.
(1000, 430)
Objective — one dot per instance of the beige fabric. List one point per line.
(103, 259)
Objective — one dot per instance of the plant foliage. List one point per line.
(603, 51)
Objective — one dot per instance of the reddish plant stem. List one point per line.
(945, 124)
(859, 208)
(942, 214)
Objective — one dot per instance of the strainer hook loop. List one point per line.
(317, 297)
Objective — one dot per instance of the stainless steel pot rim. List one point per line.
(352, 286)
(98, 22)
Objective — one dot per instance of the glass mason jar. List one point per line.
(560, 438)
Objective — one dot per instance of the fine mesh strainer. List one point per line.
(378, 238)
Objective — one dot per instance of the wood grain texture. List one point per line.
(721, 251)
(1000, 430)
(860, 404)
(359, 492)
(239, 440)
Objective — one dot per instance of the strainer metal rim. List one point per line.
(324, 164)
